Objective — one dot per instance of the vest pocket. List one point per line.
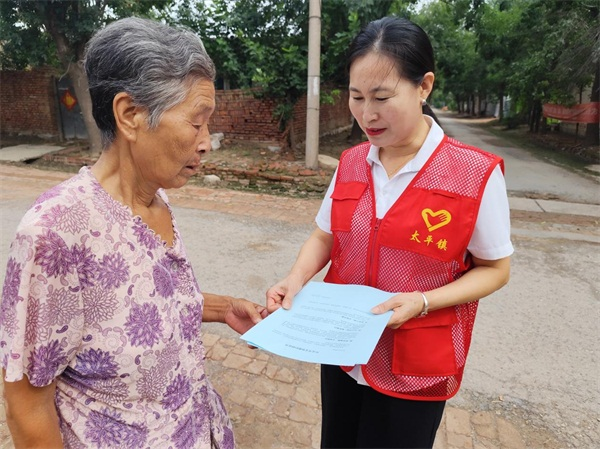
(424, 346)
(345, 197)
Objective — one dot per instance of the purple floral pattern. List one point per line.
(33, 325)
(52, 254)
(10, 293)
(94, 301)
(145, 236)
(165, 277)
(69, 219)
(45, 362)
(98, 305)
(49, 194)
(143, 325)
(63, 306)
(113, 271)
(96, 363)
(104, 428)
(85, 265)
(10, 290)
(191, 318)
(177, 393)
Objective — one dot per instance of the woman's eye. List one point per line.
(357, 98)
(197, 126)
(383, 99)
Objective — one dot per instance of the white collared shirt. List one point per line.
(491, 236)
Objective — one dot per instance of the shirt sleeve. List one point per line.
(41, 314)
(491, 237)
(323, 218)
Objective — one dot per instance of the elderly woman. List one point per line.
(101, 312)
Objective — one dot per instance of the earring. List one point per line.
(423, 102)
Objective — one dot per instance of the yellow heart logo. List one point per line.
(440, 218)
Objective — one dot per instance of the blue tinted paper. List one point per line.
(328, 323)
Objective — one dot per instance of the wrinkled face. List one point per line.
(168, 155)
(387, 107)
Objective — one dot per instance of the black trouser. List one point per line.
(357, 416)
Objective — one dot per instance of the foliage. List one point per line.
(23, 45)
(254, 43)
(454, 48)
(341, 21)
(54, 32)
(552, 68)
(533, 51)
(330, 97)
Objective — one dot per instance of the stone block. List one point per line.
(211, 179)
(458, 421)
(509, 436)
(329, 162)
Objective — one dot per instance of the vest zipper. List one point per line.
(372, 250)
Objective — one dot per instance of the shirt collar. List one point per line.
(432, 141)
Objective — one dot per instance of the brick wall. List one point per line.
(240, 116)
(28, 104)
(331, 116)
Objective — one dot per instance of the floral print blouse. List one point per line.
(94, 300)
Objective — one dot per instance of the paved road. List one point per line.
(526, 174)
(532, 377)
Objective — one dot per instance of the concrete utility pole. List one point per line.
(314, 82)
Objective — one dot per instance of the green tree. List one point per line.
(493, 24)
(534, 51)
(554, 68)
(255, 44)
(55, 32)
(459, 69)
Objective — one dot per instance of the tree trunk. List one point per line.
(501, 106)
(80, 85)
(592, 130)
(292, 141)
(535, 116)
(530, 119)
(70, 58)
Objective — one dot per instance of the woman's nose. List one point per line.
(204, 146)
(369, 112)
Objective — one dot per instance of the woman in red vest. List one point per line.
(416, 213)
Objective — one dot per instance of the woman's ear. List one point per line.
(129, 118)
(427, 84)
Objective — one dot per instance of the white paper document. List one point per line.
(331, 324)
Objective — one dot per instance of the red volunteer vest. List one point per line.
(420, 244)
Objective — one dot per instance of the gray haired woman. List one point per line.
(101, 312)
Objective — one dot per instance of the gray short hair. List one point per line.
(152, 62)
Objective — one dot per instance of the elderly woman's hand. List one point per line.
(239, 314)
(243, 314)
